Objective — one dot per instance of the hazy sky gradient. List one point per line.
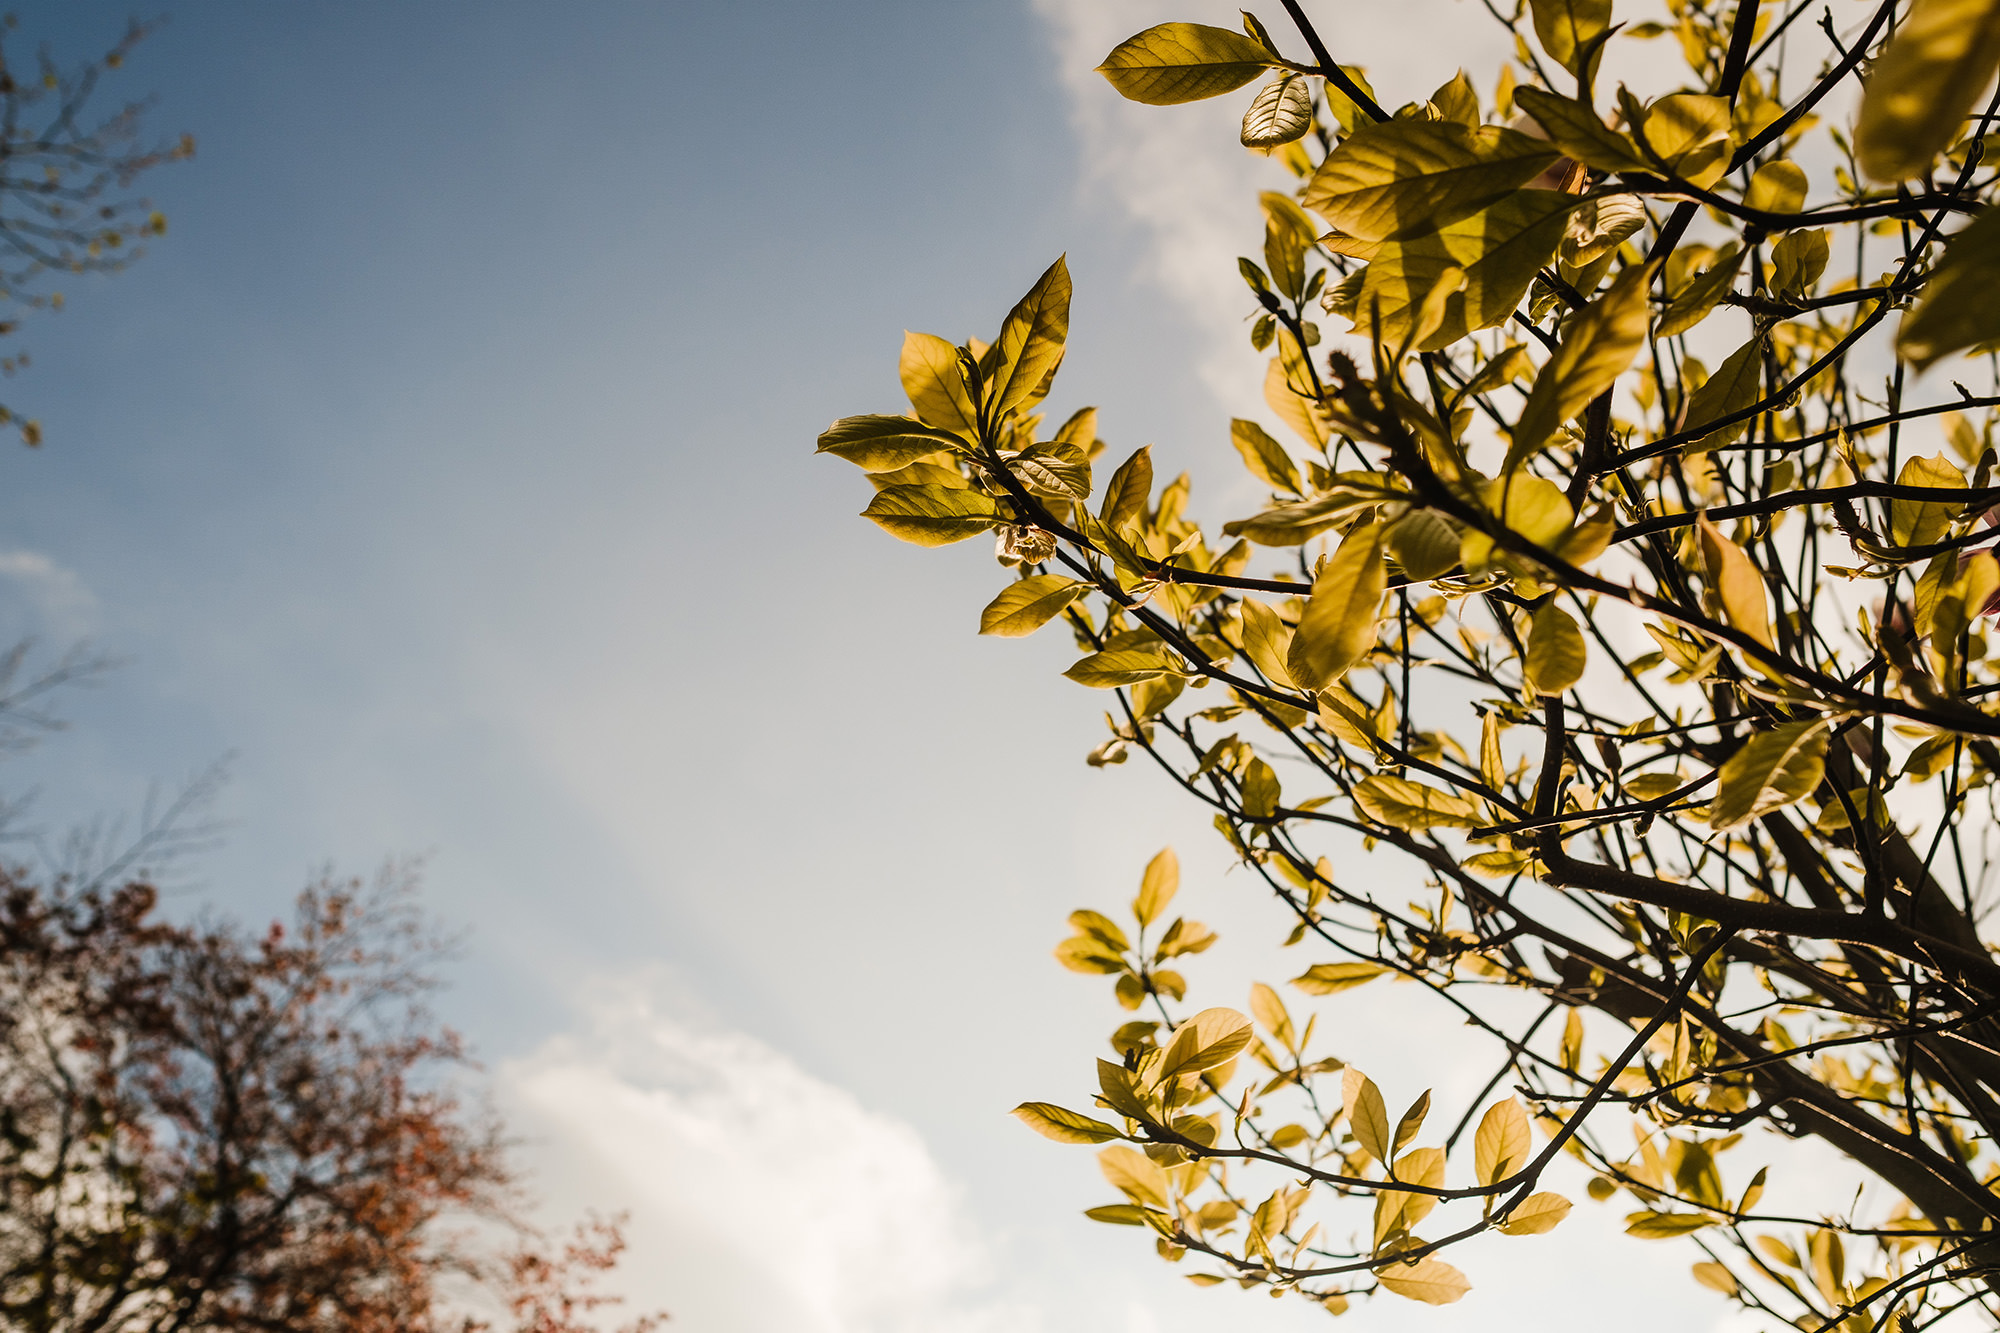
(450, 464)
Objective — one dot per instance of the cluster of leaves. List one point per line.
(66, 172)
(201, 1129)
(1671, 683)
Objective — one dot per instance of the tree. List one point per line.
(1634, 590)
(66, 173)
(202, 1129)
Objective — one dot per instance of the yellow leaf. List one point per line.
(1430, 1280)
(1405, 178)
(1691, 132)
(1127, 666)
(1774, 769)
(1270, 1011)
(1664, 1226)
(1401, 1209)
(1556, 651)
(1923, 85)
(1401, 803)
(1210, 1039)
(1157, 888)
(1338, 627)
(1921, 522)
(1063, 1126)
(1425, 544)
(1281, 111)
(1138, 1175)
(935, 385)
(1564, 27)
(1285, 383)
(1598, 344)
(1736, 582)
(1537, 1213)
(1031, 340)
(1715, 1277)
(884, 444)
(1025, 606)
(1266, 641)
(1182, 62)
(1502, 1145)
(1701, 296)
(1366, 1114)
(932, 515)
(1580, 132)
(1327, 978)
(1733, 388)
(1129, 491)
(1957, 309)
(1500, 248)
(1778, 187)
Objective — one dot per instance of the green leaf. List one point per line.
(1556, 651)
(1736, 582)
(1566, 27)
(1026, 606)
(1734, 387)
(1665, 1226)
(1500, 249)
(1182, 62)
(1338, 627)
(1411, 806)
(932, 515)
(1701, 296)
(1598, 345)
(1263, 455)
(1125, 666)
(1031, 340)
(1921, 522)
(1924, 84)
(1405, 178)
(1280, 112)
(936, 386)
(1329, 978)
(1957, 309)
(1774, 769)
(1129, 491)
(1063, 1126)
(884, 444)
(1580, 132)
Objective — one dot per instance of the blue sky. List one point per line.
(449, 463)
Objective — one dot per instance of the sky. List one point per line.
(447, 469)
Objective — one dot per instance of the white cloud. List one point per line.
(761, 1197)
(57, 596)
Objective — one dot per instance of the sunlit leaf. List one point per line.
(1024, 607)
(1430, 1280)
(932, 515)
(1338, 627)
(1922, 87)
(1957, 309)
(1772, 770)
(1406, 178)
(884, 444)
(1063, 1126)
(1598, 345)
(1182, 62)
(1330, 978)
(1279, 113)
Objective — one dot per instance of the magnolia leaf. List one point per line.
(935, 385)
(1736, 582)
(1182, 62)
(1281, 111)
(1267, 640)
(1924, 84)
(1690, 131)
(1129, 491)
(1124, 666)
(1774, 769)
(932, 515)
(1263, 456)
(1031, 340)
(1957, 309)
(1412, 806)
(1285, 390)
(1260, 791)
(1157, 887)
(1665, 1226)
(1598, 345)
(1338, 627)
(1797, 261)
(1733, 388)
(1429, 1279)
(1502, 1144)
(884, 444)
(1536, 1214)
(1921, 522)
(1425, 544)
(1024, 607)
(1210, 1039)
(1599, 227)
(1566, 27)
(1500, 249)
(1269, 1010)
(1778, 187)
(1140, 1177)
(1063, 1126)
(1366, 1114)
(1329, 978)
(1700, 297)
(1090, 955)
(1288, 235)
(1405, 178)
(1580, 132)
(1120, 1214)
(1556, 651)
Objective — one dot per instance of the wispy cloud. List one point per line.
(57, 600)
(761, 1197)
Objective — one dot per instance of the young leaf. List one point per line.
(1405, 178)
(1031, 340)
(1329, 978)
(1366, 1114)
(1923, 85)
(1580, 132)
(1502, 1144)
(1566, 27)
(1279, 113)
(1430, 1280)
(1123, 666)
(1129, 491)
(1957, 309)
(1774, 769)
(1266, 642)
(1182, 62)
(1536, 1214)
(1210, 1039)
(1138, 1175)
(1025, 606)
(1407, 1129)
(1401, 803)
(1556, 651)
(884, 444)
(1598, 344)
(1733, 387)
(1063, 1126)
(1500, 249)
(1736, 582)
(1263, 456)
(1157, 887)
(1338, 627)
(932, 515)
(935, 385)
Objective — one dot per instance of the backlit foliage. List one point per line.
(1627, 575)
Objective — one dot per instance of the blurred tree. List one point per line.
(66, 172)
(1636, 594)
(204, 1129)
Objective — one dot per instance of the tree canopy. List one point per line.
(1627, 575)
